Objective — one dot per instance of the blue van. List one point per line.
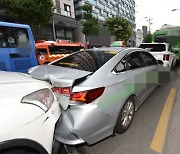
(17, 47)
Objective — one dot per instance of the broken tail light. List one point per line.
(87, 96)
(61, 90)
(83, 96)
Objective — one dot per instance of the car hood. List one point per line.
(59, 76)
(14, 77)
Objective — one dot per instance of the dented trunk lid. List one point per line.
(59, 77)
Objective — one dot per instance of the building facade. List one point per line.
(62, 25)
(109, 8)
(65, 21)
(144, 29)
(139, 37)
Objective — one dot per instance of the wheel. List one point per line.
(126, 116)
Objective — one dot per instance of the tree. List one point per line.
(148, 38)
(35, 12)
(119, 27)
(88, 21)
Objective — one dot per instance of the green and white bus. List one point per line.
(171, 35)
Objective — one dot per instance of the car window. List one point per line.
(148, 59)
(153, 47)
(88, 60)
(121, 66)
(134, 60)
(170, 48)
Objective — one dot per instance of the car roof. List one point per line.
(53, 43)
(156, 43)
(115, 49)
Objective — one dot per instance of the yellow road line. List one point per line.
(160, 133)
(178, 70)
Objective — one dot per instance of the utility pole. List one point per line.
(149, 21)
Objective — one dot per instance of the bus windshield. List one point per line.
(17, 47)
(160, 38)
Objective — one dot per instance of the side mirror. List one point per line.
(175, 51)
(160, 62)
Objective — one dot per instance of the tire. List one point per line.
(14, 152)
(59, 148)
(126, 116)
(18, 151)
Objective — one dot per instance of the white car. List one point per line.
(161, 52)
(28, 114)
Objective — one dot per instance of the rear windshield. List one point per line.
(89, 60)
(63, 49)
(11, 37)
(153, 47)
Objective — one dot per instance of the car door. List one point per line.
(136, 75)
(151, 70)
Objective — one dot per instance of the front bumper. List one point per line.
(86, 123)
(41, 129)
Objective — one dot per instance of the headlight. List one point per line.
(42, 98)
(41, 57)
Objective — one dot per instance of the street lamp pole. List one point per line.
(149, 21)
(53, 28)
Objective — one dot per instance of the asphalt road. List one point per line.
(140, 136)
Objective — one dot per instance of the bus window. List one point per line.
(17, 47)
(160, 38)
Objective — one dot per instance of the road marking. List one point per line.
(160, 133)
(178, 70)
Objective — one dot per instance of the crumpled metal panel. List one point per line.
(86, 123)
(59, 77)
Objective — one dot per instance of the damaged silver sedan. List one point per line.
(99, 91)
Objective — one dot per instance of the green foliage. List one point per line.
(37, 12)
(119, 27)
(148, 38)
(89, 22)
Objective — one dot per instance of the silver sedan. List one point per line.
(99, 90)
